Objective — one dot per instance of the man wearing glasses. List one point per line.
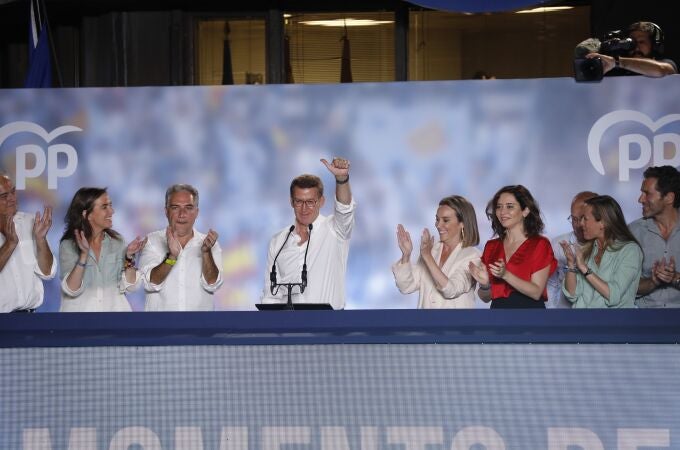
(310, 257)
(556, 298)
(25, 256)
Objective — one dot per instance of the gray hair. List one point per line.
(181, 188)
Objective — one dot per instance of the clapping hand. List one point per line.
(83, 243)
(7, 229)
(209, 241)
(663, 271)
(42, 223)
(135, 247)
(575, 258)
(426, 244)
(174, 247)
(497, 269)
(479, 273)
(568, 253)
(404, 241)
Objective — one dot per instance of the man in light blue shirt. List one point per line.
(658, 232)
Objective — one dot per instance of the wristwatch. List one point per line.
(617, 63)
(587, 272)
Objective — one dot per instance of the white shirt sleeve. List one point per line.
(152, 255)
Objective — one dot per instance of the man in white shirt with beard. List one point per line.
(181, 266)
(311, 255)
(25, 256)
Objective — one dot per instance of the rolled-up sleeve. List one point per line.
(123, 284)
(51, 274)
(620, 269)
(152, 255)
(344, 218)
(577, 291)
(406, 276)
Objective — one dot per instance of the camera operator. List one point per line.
(646, 58)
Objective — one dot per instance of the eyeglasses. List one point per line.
(573, 219)
(311, 203)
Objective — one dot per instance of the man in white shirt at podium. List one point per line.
(307, 261)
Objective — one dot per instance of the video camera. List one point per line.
(615, 43)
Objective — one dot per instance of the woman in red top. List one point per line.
(515, 266)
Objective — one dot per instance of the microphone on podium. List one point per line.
(272, 274)
(304, 264)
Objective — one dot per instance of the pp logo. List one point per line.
(653, 151)
(42, 161)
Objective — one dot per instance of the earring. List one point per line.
(462, 234)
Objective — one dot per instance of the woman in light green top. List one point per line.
(96, 267)
(604, 272)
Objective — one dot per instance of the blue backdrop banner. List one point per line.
(410, 144)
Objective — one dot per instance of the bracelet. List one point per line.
(571, 269)
(169, 261)
(78, 263)
(343, 181)
(484, 287)
(587, 272)
(617, 63)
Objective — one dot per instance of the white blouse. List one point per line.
(459, 292)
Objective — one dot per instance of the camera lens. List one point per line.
(588, 69)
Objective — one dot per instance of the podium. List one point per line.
(292, 307)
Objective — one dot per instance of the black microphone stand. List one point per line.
(289, 286)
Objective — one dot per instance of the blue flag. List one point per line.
(39, 59)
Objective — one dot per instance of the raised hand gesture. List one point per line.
(83, 243)
(7, 229)
(209, 241)
(405, 244)
(581, 260)
(569, 253)
(42, 224)
(174, 247)
(426, 244)
(339, 168)
(135, 247)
